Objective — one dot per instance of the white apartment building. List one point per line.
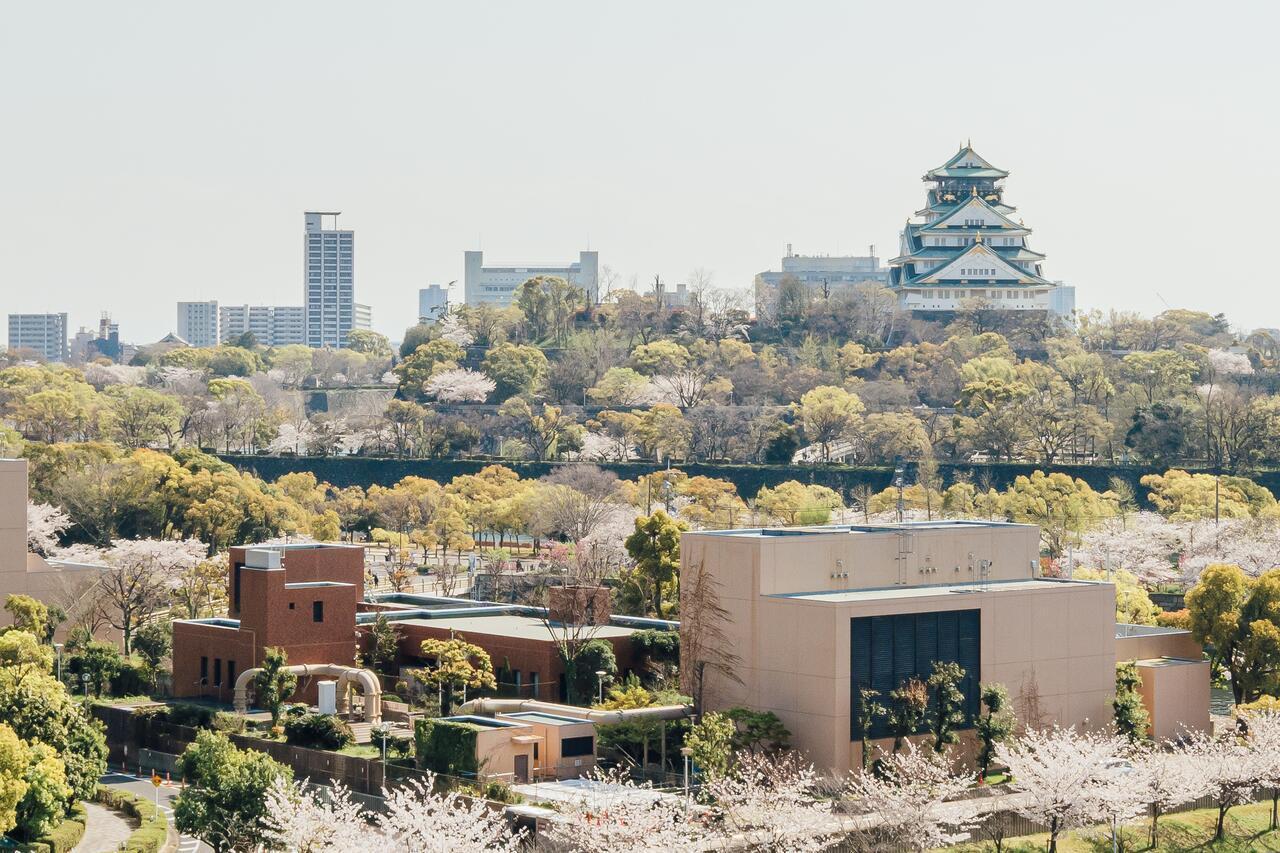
(498, 285)
(198, 323)
(328, 281)
(271, 325)
(363, 316)
(44, 333)
(433, 303)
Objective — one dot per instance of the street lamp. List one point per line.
(600, 674)
(57, 647)
(686, 752)
(84, 678)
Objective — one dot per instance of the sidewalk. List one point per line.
(105, 830)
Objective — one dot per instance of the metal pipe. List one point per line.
(482, 707)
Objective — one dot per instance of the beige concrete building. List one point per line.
(1175, 678)
(815, 614)
(24, 573)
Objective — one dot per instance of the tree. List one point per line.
(200, 591)
(1063, 507)
(797, 503)
(153, 642)
(1171, 778)
(225, 803)
(595, 655)
(620, 386)
(457, 663)
(704, 641)
(101, 662)
(828, 414)
(29, 614)
(710, 742)
(515, 369)
(141, 576)
(947, 703)
(655, 547)
(772, 803)
(37, 707)
(459, 386)
(1061, 773)
(384, 642)
(1235, 617)
(1231, 771)
(906, 794)
(44, 804)
(615, 818)
(369, 342)
(994, 726)
(424, 362)
(868, 710)
(758, 731)
(1131, 718)
(908, 710)
(274, 683)
(14, 759)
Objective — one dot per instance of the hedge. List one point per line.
(64, 837)
(151, 834)
(446, 747)
(318, 731)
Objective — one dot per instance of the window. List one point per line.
(317, 611)
(231, 672)
(204, 670)
(291, 605)
(571, 747)
(886, 651)
(535, 751)
(533, 682)
(217, 672)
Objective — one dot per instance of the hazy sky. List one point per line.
(152, 152)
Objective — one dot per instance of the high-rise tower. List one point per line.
(329, 281)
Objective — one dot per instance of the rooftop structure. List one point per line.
(499, 285)
(818, 276)
(969, 244)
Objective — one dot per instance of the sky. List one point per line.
(152, 152)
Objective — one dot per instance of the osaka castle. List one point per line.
(967, 245)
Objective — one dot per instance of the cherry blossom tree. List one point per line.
(768, 802)
(1264, 742)
(615, 814)
(45, 524)
(1065, 776)
(1171, 778)
(905, 799)
(460, 386)
(453, 331)
(1232, 772)
(416, 817)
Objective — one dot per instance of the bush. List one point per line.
(196, 716)
(133, 678)
(500, 792)
(151, 834)
(445, 746)
(318, 731)
(232, 724)
(65, 836)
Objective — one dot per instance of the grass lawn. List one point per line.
(362, 750)
(1247, 830)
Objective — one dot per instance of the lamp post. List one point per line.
(600, 674)
(57, 647)
(686, 752)
(84, 678)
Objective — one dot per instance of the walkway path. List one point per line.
(141, 785)
(105, 831)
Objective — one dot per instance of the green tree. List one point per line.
(29, 614)
(225, 801)
(101, 662)
(44, 804)
(948, 703)
(1133, 603)
(384, 642)
(908, 709)
(38, 707)
(829, 413)
(515, 369)
(994, 725)
(457, 664)
(868, 710)
(593, 656)
(1131, 717)
(274, 684)
(758, 731)
(14, 761)
(1064, 507)
(424, 362)
(369, 342)
(710, 742)
(141, 417)
(654, 545)
(153, 642)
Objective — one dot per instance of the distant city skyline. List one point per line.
(160, 153)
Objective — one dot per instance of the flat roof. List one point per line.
(482, 722)
(1170, 662)
(840, 596)
(314, 584)
(547, 719)
(507, 625)
(830, 529)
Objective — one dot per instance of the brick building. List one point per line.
(302, 598)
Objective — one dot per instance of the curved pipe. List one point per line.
(511, 706)
(369, 684)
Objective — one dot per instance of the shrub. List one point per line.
(232, 724)
(500, 792)
(133, 678)
(319, 731)
(196, 716)
(65, 836)
(151, 834)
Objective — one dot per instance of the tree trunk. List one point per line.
(1222, 816)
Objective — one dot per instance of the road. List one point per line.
(141, 785)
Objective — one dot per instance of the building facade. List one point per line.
(271, 325)
(433, 303)
(968, 246)
(198, 323)
(46, 334)
(499, 285)
(818, 276)
(107, 342)
(815, 615)
(328, 281)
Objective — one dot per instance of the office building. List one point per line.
(328, 281)
(815, 615)
(107, 342)
(45, 334)
(968, 246)
(433, 303)
(198, 323)
(818, 276)
(500, 285)
(271, 325)
(363, 316)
